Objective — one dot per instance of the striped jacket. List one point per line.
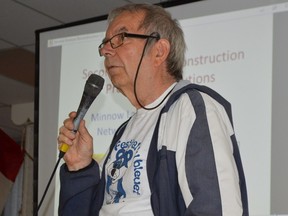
(202, 177)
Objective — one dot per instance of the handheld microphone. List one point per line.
(93, 87)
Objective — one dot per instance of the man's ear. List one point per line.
(162, 49)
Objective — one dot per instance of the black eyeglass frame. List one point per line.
(123, 35)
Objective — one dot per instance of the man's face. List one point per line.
(121, 63)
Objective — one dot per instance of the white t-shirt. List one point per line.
(127, 189)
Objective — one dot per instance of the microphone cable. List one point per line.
(60, 156)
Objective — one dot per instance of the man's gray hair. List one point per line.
(157, 19)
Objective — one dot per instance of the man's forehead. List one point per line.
(126, 21)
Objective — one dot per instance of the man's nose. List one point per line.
(107, 50)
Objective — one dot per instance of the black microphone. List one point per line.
(93, 87)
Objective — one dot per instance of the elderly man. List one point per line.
(177, 155)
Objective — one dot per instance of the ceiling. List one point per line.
(18, 21)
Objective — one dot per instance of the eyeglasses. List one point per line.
(118, 39)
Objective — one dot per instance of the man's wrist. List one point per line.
(80, 166)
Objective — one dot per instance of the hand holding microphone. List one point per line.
(73, 134)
